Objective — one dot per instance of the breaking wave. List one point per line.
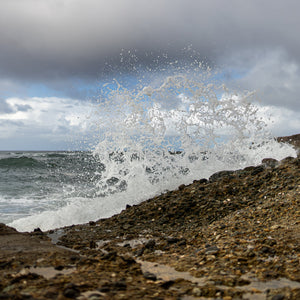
(155, 130)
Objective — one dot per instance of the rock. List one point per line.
(270, 162)
(218, 175)
(71, 291)
(181, 187)
(196, 292)
(212, 250)
(150, 276)
(172, 240)
(278, 297)
(150, 244)
(7, 230)
(120, 285)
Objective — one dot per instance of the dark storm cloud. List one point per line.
(74, 38)
(54, 41)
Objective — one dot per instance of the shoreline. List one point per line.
(235, 236)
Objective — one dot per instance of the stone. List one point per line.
(150, 276)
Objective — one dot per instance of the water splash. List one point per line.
(160, 129)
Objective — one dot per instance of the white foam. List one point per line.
(215, 130)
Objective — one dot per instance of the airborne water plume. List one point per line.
(152, 133)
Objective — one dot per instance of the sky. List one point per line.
(55, 54)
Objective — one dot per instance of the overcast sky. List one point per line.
(54, 53)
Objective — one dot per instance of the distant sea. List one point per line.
(34, 182)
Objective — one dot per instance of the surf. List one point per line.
(157, 130)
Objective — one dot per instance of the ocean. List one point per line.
(143, 140)
(54, 189)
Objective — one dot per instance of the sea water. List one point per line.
(148, 135)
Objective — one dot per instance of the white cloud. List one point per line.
(47, 120)
(280, 121)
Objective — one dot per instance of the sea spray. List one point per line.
(157, 131)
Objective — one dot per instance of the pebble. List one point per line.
(229, 233)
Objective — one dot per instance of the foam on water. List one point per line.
(157, 134)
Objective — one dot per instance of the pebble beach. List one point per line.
(235, 235)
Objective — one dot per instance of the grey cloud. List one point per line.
(5, 107)
(49, 39)
(274, 76)
(25, 107)
(55, 42)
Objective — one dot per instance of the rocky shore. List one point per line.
(234, 236)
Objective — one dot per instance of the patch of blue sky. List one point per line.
(41, 90)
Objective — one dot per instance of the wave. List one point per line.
(21, 162)
(154, 137)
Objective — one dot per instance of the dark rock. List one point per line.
(120, 285)
(150, 244)
(167, 284)
(257, 170)
(172, 240)
(150, 276)
(5, 264)
(267, 250)
(218, 175)
(128, 259)
(105, 288)
(7, 230)
(270, 162)
(140, 252)
(203, 180)
(278, 297)
(212, 250)
(93, 245)
(181, 187)
(71, 291)
(110, 256)
(52, 293)
(30, 276)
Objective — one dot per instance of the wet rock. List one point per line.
(257, 170)
(109, 256)
(71, 291)
(38, 231)
(120, 285)
(218, 175)
(212, 250)
(167, 284)
(270, 162)
(7, 230)
(150, 276)
(278, 297)
(150, 244)
(181, 187)
(172, 240)
(93, 245)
